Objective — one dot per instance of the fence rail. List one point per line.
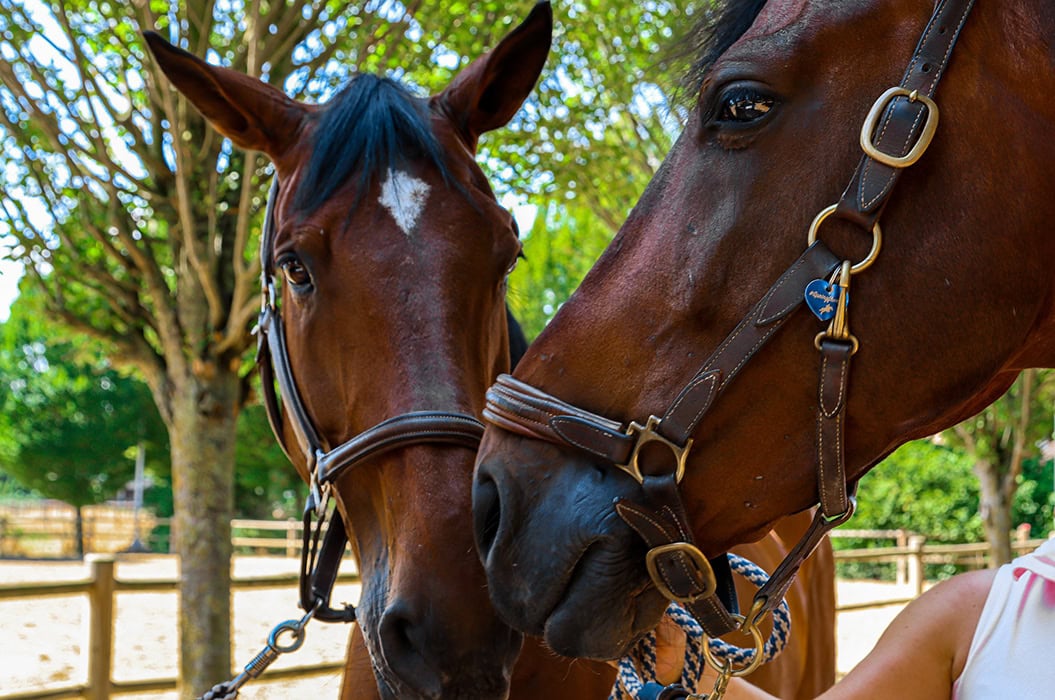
(911, 556)
(102, 585)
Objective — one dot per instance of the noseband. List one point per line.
(899, 128)
(319, 567)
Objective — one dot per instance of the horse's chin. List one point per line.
(584, 622)
(402, 673)
(601, 615)
(496, 689)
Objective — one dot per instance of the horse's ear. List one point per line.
(253, 114)
(489, 92)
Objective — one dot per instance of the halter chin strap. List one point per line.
(899, 128)
(319, 566)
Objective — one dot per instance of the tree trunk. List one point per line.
(202, 435)
(995, 508)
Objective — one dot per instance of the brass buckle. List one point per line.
(922, 143)
(710, 583)
(644, 435)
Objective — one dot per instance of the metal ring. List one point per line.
(294, 627)
(756, 658)
(877, 239)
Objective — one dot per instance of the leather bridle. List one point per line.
(319, 567)
(899, 128)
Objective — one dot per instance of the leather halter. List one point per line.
(899, 128)
(319, 568)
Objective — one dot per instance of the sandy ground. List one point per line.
(43, 642)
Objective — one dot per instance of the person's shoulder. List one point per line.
(970, 588)
(922, 652)
(957, 602)
(954, 607)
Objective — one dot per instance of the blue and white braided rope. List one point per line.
(639, 666)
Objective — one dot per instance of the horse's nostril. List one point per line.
(404, 644)
(487, 514)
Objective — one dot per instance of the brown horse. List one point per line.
(393, 255)
(957, 302)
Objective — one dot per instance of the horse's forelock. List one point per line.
(719, 25)
(372, 125)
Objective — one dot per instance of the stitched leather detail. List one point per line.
(872, 184)
(596, 440)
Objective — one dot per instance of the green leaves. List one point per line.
(68, 419)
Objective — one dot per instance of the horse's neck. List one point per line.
(1039, 350)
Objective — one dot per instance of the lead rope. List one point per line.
(636, 679)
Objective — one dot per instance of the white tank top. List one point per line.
(1013, 651)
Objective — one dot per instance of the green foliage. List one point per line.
(923, 487)
(68, 426)
(10, 489)
(603, 118)
(559, 251)
(266, 484)
(1035, 497)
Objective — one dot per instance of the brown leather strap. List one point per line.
(902, 121)
(319, 568)
(836, 498)
(273, 363)
(703, 587)
(434, 427)
(831, 411)
(753, 332)
(773, 591)
(523, 409)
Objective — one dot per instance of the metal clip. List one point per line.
(272, 651)
(754, 660)
(839, 328)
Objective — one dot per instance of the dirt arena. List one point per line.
(43, 642)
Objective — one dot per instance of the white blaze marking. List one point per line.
(404, 197)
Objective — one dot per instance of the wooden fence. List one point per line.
(48, 529)
(911, 553)
(101, 586)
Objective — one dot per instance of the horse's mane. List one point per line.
(721, 23)
(371, 125)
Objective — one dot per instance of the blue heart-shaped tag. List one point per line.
(823, 298)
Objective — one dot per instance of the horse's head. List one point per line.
(392, 255)
(958, 300)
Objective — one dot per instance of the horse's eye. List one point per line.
(295, 273)
(520, 256)
(742, 105)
